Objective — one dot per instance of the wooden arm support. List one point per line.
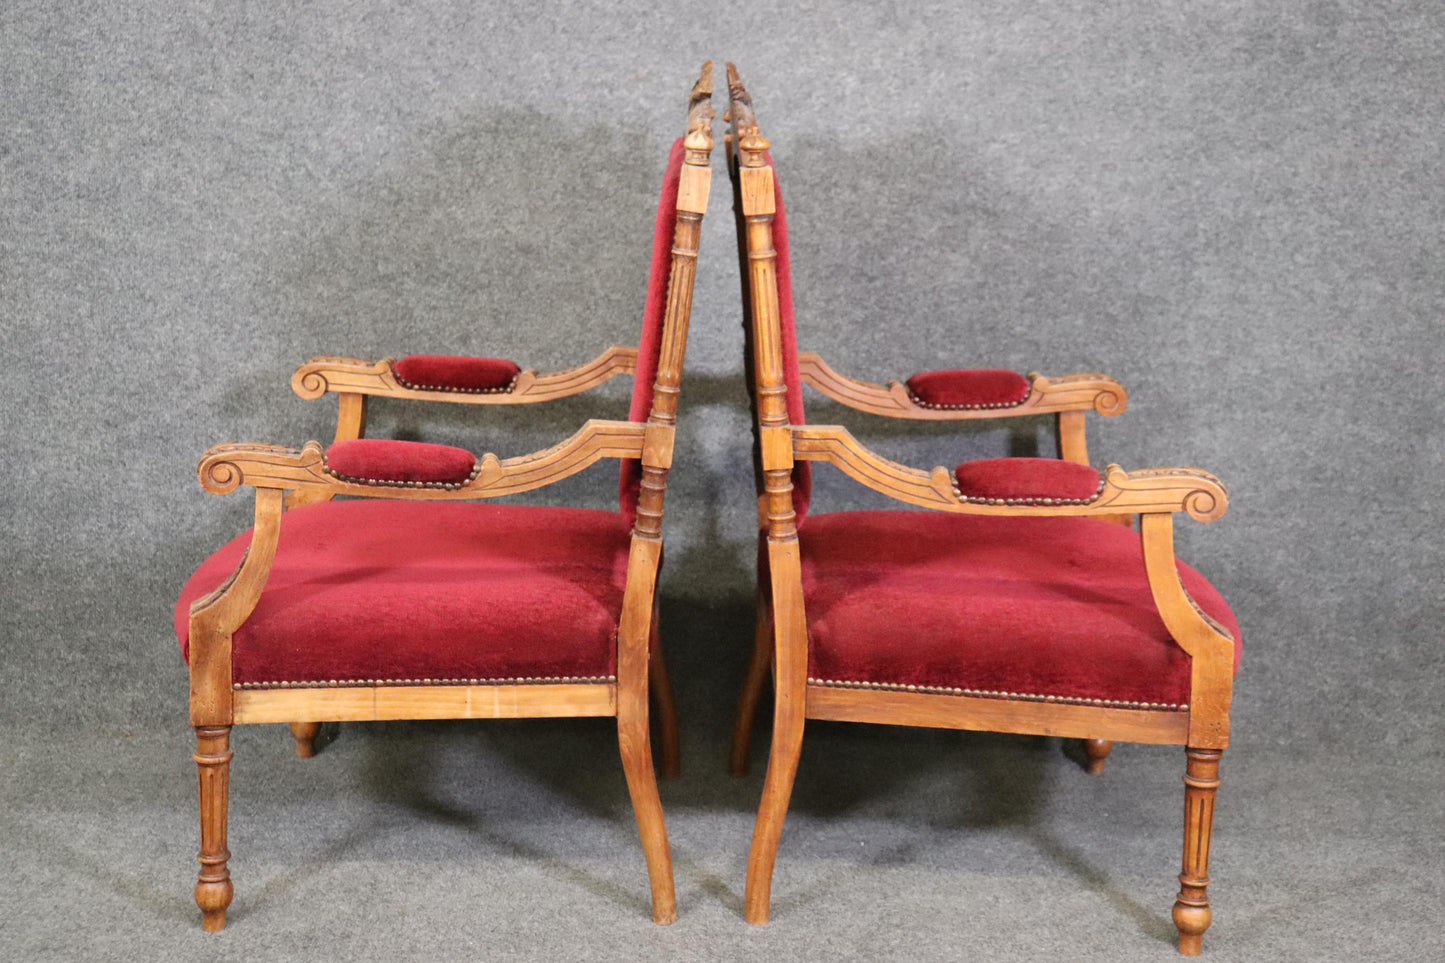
(1150, 490)
(359, 376)
(225, 467)
(1154, 493)
(1075, 392)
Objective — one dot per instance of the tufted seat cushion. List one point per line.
(396, 590)
(384, 460)
(969, 388)
(1027, 479)
(449, 372)
(1032, 606)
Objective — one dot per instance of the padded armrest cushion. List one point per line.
(973, 388)
(382, 460)
(1028, 480)
(445, 372)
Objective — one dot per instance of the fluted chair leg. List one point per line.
(1097, 752)
(1191, 908)
(305, 734)
(213, 766)
(660, 688)
(757, 674)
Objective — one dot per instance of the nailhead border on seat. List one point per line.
(988, 694)
(365, 683)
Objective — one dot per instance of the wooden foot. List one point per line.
(1097, 752)
(636, 747)
(758, 668)
(305, 733)
(660, 687)
(1191, 908)
(213, 766)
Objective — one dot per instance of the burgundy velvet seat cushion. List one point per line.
(447, 372)
(969, 388)
(1027, 479)
(384, 460)
(1033, 606)
(396, 590)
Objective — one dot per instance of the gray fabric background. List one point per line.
(1234, 207)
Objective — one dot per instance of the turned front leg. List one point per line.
(1191, 909)
(213, 883)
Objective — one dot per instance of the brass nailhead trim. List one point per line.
(397, 483)
(356, 683)
(1029, 500)
(937, 407)
(988, 694)
(504, 389)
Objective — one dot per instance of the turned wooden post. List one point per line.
(1097, 751)
(213, 766)
(1191, 909)
(305, 735)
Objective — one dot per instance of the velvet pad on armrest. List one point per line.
(383, 460)
(975, 388)
(445, 372)
(1027, 479)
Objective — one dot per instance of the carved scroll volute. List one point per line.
(692, 196)
(1209, 644)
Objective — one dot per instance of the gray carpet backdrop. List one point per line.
(1233, 207)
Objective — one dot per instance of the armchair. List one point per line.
(1010, 606)
(409, 600)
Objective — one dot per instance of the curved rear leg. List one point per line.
(758, 667)
(660, 688)
(636, 748)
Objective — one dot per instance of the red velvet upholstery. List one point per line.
(394, 590)
(1027, 479)
(792, 377)
(973, 388)
(379, 459)
(446, 372)
(1034, 606)
(649, 345)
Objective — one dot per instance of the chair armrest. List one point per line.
(1036, 395)
(225, 467)
(1189, 490)
(359, 376)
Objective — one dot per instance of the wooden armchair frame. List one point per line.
(217, 702)
(1070, 397)
(1155, 495)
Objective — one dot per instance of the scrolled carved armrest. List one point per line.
(966, 394)
(359, 376)
(226, 467)
(1189, 490)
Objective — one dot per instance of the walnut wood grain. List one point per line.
(1189, 490)
(213, 768)
(359, 376)
(379, 703)
(934, 711)
(226, 467)
(1075, 392)
(276, 472)
(1156, 495)
(1191, 908)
